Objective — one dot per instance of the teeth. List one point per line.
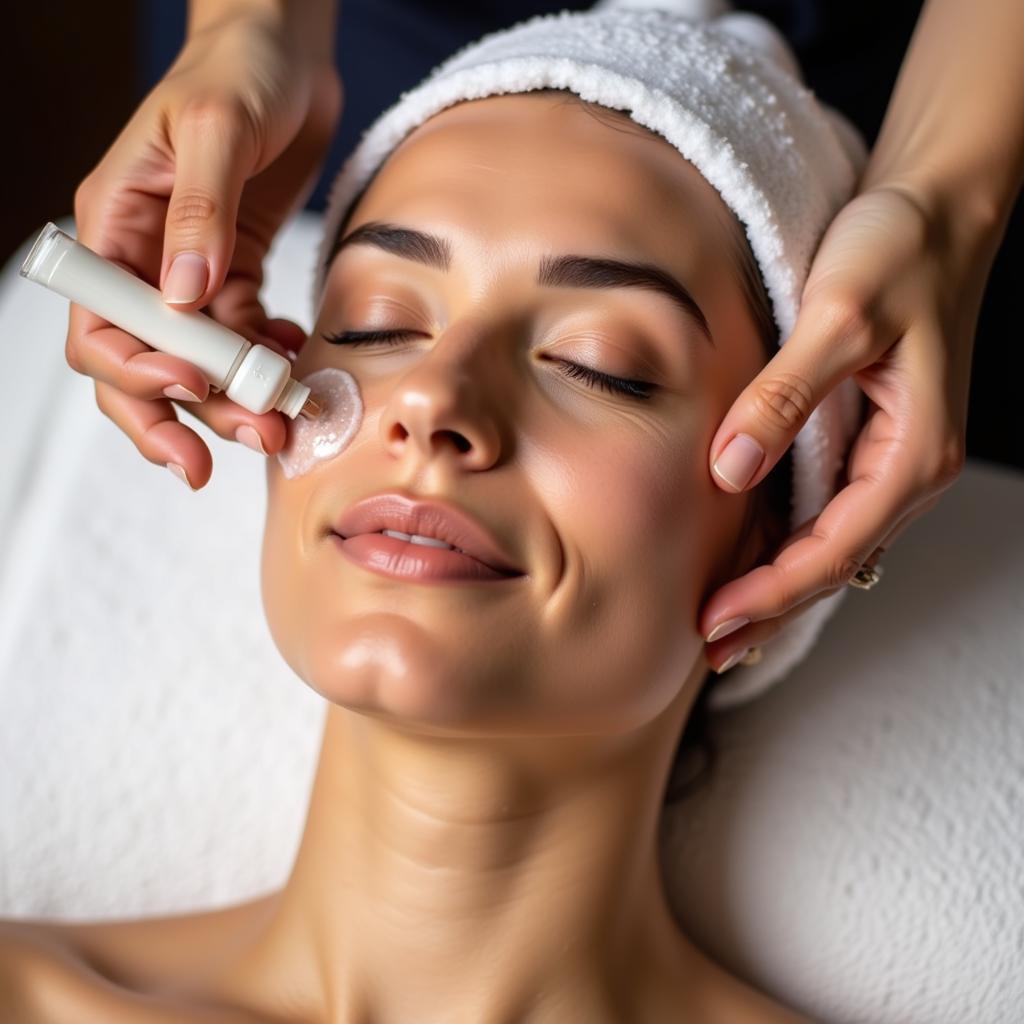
(416, 538)
(430, 542)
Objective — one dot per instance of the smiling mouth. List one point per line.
(416, 557)
(403, 535)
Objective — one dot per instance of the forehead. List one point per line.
(545, 172)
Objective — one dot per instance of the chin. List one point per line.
(386, 665)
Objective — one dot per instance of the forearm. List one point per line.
(954, 128)
(310, 22)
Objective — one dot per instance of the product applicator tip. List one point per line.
(311, 409)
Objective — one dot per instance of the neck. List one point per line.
(486, 879)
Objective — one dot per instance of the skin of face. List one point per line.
(482, 822)
(605, 500)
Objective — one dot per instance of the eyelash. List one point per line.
(593, 378)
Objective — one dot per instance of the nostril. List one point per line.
(461, 442)
(400, 434)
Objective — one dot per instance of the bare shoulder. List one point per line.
(40, 980)
(146, 952)
(22, 956)
(53, 971)
(741, 1003)
(726, 998)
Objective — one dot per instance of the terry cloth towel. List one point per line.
(725, 89)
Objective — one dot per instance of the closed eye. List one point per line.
(366, 337)
(593, 378)
(618, 385)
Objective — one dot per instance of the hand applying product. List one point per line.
(254, 376)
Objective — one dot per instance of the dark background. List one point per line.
(76, 71)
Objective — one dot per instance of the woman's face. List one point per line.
(603, 499)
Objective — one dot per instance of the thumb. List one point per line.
(213, 158)
(768, 414)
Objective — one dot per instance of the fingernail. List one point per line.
(727, 627)
(182, 394)
(730, 661)
(739, 461)
(186, 280)
(179, 473)
(250, 438)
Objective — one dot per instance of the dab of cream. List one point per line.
(310, 442)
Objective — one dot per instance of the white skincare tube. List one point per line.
(254, 376)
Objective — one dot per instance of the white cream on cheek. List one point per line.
(311, 442)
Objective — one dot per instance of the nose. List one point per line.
(439, 409)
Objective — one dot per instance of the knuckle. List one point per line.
(83, 196)
(950, 462)
(191, 211)
(847, 321)
(783, 402)
(329, 91)
(785, 592)
(841, 572)
(102, 393)
(847, 316)
(227, 117)
(73, 357)
(217, 112)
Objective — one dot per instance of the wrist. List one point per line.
(967, 214)
(306, 27)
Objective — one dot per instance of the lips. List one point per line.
(436, 519)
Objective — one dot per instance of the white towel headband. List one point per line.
(725, 89)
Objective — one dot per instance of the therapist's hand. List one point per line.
(892, 300)
(189, 197)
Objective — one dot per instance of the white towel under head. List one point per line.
(725, 89)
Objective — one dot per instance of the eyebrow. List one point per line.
(568, 271)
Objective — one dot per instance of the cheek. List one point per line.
(281, 587)
(633, 506)
(630, 499)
